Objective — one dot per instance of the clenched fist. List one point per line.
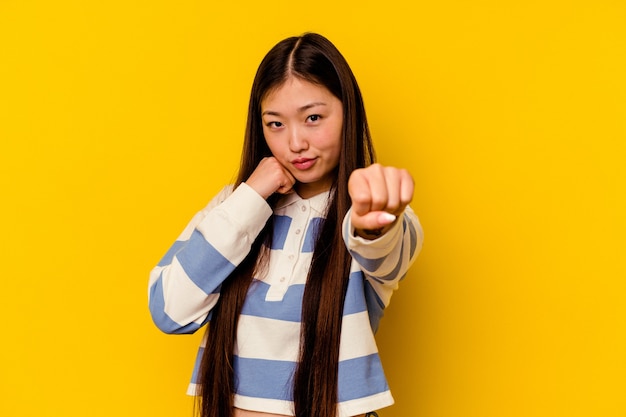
(271, 177)
(379, 195)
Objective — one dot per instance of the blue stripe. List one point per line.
(373, 264)
(366, 263)
(361, 377)
(281, 227)
(358, 378)
(167, 259)
(355, 300)
(196, 367)
(160, 317)
(396, 271)
(264, 378)
(390, 276)
(413, 235)
(203, 264)
(288, 309)
(312, 232)
(375, 306)
(346, 232)
(380, 281)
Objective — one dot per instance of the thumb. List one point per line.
(373, 220)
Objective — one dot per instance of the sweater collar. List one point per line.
(317, 202)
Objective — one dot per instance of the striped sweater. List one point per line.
(185, 286)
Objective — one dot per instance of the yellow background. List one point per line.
(120, 119)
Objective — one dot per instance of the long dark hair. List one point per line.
(315, 59)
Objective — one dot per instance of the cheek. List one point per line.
(334, 140)
(271, 142)
(331, 143)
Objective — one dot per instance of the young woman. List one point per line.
(294, 264)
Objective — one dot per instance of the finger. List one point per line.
(359, 191)
(270, 177)
(285, 179)
(373, 221)
(377, 187)
(393, 185)
(407, 188)
(286, 186)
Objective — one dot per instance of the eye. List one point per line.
(274, 124)
(314, 118)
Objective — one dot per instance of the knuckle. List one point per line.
(393, 205)
(360, 197)
(379, 201)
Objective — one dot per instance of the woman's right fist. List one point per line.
(271, 177)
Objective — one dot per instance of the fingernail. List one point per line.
(386, 218)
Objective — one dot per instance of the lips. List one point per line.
(303, 163)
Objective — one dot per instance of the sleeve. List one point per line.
(385, 261)
(184, 286)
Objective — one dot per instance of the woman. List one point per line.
(293, 264)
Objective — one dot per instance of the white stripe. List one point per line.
(218, 231)
(262, 338)
(366, 404)
(155, 273)
(357, 339)
(354, 267)
(185, 302)
(391, 262)
(264, 404)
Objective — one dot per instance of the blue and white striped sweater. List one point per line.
(185, 285)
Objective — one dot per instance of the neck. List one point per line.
(308, 190)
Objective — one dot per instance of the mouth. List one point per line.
(303, 163)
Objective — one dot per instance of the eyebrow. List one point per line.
(300, 110)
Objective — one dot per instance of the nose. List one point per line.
(297, 140)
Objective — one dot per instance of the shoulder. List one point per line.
(219, 198)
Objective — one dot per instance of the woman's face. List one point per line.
(302, 124)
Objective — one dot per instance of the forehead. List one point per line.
(295, 92)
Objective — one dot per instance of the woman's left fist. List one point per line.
(379, 195)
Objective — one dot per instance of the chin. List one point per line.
(307, 181)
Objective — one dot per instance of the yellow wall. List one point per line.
(120, 119)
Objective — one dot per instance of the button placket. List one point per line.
(291, 251)
(299, 223)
